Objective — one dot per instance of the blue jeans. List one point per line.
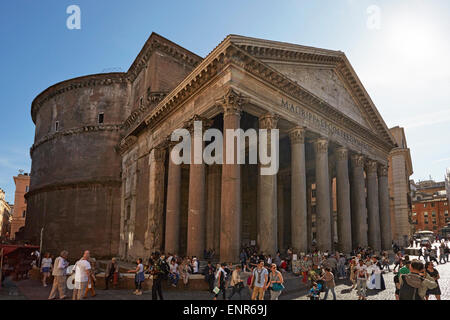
(174, 278)
(341, 271)
(332, 291)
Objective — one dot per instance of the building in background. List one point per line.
(5, 217)
(430, 206)
(447, 183)
(22, 182)
(400, 169)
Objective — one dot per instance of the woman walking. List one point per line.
(220, 282)
(353, 272)
(236, 283)
(46, 266)
(91, 280)
(139, 277)
(432, 274)
(328, 277)
(275, 282)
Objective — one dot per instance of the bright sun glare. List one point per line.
(413, 38)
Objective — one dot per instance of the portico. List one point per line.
(329, 132)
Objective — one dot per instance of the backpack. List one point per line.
(165, 270)
(409, 289)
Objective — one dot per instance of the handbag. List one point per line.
(216, 290)
(277, 286)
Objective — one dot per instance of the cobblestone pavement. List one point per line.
(344, 292)
(33, 290)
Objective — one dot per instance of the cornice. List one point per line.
(226, 54)
(103, 79)
(75, 184)
(74, 131)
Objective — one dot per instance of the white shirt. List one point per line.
(361, 272)
(195, 266)
(46, 262)
(174, 268)
(80, 270)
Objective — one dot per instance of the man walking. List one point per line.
(361, 278)
(111, 273)
(59, 276)
(259, 281)
(82, 274)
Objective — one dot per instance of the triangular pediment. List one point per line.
(326, 74)
(323, 82)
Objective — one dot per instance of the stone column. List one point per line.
(323, 214)
(280, 209)
(385, 217)
(197, 194)
(359, 213)
(373, 210)
(343, 201)
(172, 242)
(267, 231)
(309, 213)
(231, 210)
(213, 184)
(299, 233)
(155, 225)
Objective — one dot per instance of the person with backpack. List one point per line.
(414, 285)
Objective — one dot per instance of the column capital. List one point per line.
(321, 145)
(357, 160)
(371, 166)
(382, 170)
(297, 135)
(232, 102)
(342, 153)
(268, 121)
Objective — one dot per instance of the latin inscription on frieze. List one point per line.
(323, 125)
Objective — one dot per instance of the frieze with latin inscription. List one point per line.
(323, 125)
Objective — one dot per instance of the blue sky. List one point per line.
(403, 64)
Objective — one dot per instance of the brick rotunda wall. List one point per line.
(75, 175)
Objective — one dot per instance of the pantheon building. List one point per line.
(102, 178)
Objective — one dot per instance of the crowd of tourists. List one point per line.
(363, 269)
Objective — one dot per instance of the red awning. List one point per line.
(8, 248)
